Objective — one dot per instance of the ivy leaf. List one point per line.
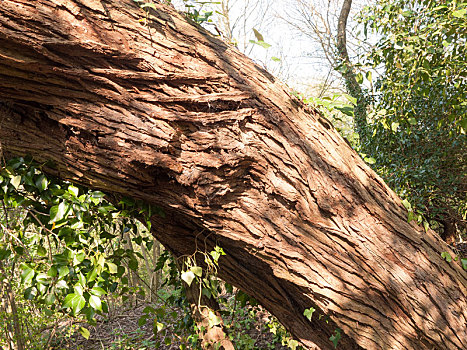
(4, 253)
(309, 312)
(406, 204)
(359, 78)
(63, 271)
(57, 212)
(75, 302)
(446, 256)
(158, 326)
(16, 181)
(112, 267)
(84, 332)
(336, 337)
(42, 278)
(133, 264)
(27, 274)
(464, 263)
(61, 284)
(73, 190)
(41, 183)
(142, 320)
(188, 277)
(30, 293)
(49, 299)
(197, 270)
(292, 344)
(214, 320)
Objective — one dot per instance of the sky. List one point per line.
(302, 64)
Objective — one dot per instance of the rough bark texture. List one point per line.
(171, 115)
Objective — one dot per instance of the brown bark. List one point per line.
(171, 115)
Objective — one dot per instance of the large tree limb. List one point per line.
(171, 115)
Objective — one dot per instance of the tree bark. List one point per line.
(166, 113)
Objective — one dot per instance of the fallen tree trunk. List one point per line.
(164, 112)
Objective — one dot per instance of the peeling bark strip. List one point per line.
(170, 114)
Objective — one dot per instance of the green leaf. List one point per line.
(407, 204)
(27, 274)
(446, 256)
(41, 251)
(30, 293)
(336, 337)
(359, 78)
(57, 212)
(133, 264)
(197, 270)
(261, 43)
(158, 326)
(149, 309)
(75, 302)
(148, 5)
(73, 190)
(81, 279)
(459, 13)
(16, 181)
(142, 320)
(91, 275)
(84, 332)
(41, 183)
(292, 344)
(49, 299)
(61, 284)
(4, 253)
(464, 263)
(112, 267)
(78, 258)
(275, 59)
(63, 271)
(15, 163)
(308, 313)
(98, 291)
(188, 277)
(42, 278)
(95, 302)
(214, 320)
(426, 225)
(78, 289)
(258, 35)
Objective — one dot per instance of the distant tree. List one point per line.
(420, 106)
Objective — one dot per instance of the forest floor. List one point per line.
(122, 332)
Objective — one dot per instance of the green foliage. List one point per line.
(339, 108)
(336, 337)
(419, 119)
(68, 240)
(422, 50)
